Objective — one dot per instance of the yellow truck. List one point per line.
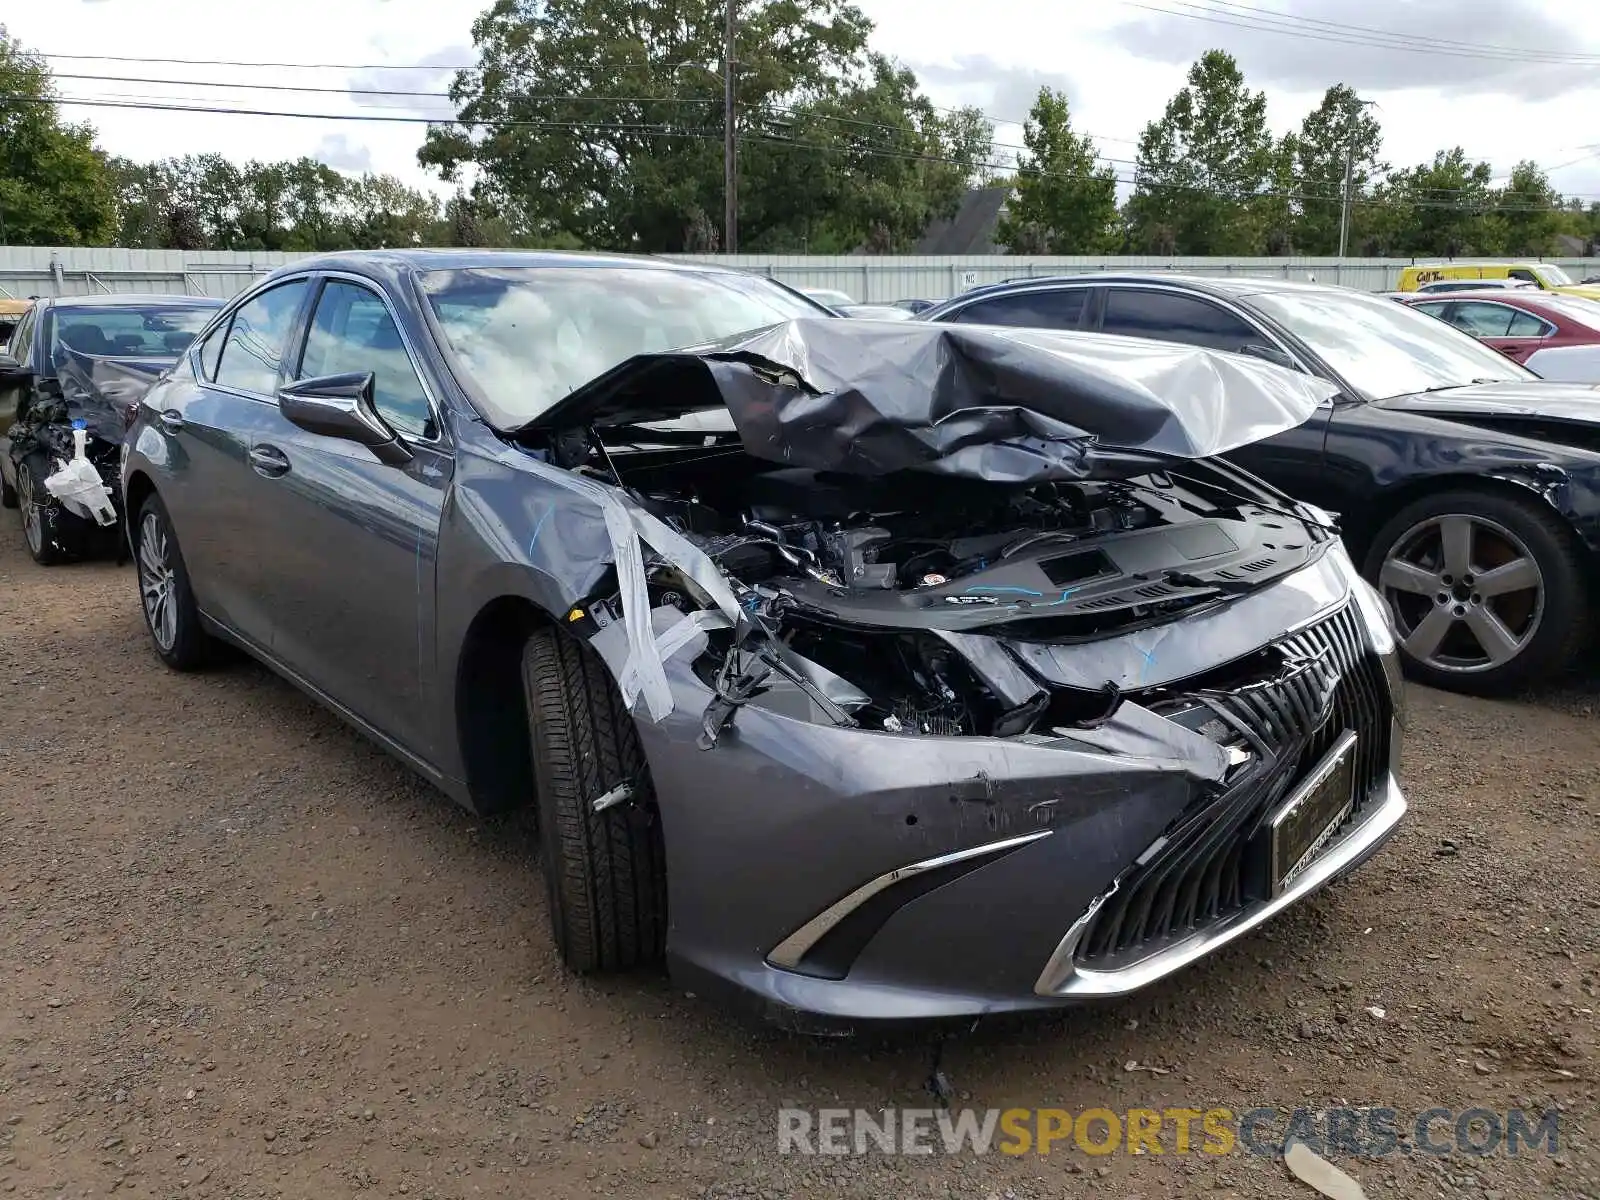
(1545, 276)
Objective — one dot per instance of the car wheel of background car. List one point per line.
(164, 592)
(1487, 591)
(46, 527)
(605, 870)
(8, 494)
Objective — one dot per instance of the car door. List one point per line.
(1292, 460)
(1508, 329)
(204, 418)
(347, 544)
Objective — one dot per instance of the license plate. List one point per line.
(1306, 820)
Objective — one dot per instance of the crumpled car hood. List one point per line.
(99, 390)
(999, 404)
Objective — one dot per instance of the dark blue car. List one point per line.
(81, 362)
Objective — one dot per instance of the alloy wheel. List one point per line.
(32, 517)
(1467, 594)
(158, 581)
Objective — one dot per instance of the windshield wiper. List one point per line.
(1450, 387)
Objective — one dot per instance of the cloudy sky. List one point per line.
(1504, 79)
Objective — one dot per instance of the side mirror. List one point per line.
(1269, 354)
(340, 406)
(9, 364)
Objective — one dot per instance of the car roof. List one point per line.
(1501, 295)
(1210, 284)
(128, 299)
(459, 259)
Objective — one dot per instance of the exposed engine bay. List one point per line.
(889, 598)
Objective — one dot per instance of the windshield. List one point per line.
(1553, 275)
(527, 336)
(153, 331)
(1382, 348)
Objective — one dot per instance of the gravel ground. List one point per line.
(246, 954)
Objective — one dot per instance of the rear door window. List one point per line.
(1482, 319)
(1525, 325)
(1058, 309)
(1169, 316)
(253, 352)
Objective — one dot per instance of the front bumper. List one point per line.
(857, 876)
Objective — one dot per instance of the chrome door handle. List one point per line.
(171, 420)
(268, 460)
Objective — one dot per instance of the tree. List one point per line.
(1062, 200)
(1435, 208)
(1526, 212)
(1341, 128)
(602, 119)
(55, 185)
(381, 212)
(1204, 167)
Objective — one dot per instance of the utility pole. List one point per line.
(1349, 170)
(1344, 211)
(730, 150)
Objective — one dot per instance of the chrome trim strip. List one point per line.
(788, 953)
(1063, 979)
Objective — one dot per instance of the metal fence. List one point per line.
(76, 271)
(882, 279)
(86, 271)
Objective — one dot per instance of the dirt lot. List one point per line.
(245, 954)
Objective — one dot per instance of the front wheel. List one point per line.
(53, 535)
(1488, 591)
(605, 871)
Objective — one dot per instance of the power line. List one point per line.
(223, 62)
(1262, 22)
(773, 112)
(1423, 42)
(215, 62)
(656, 130)
(776, 112)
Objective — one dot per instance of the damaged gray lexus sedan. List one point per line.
(869, 670)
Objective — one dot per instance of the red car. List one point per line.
(1513, 321)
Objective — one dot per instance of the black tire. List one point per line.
(1561, 624)
(605, 871)
(8, 494)
(183, 645)
(51, 533)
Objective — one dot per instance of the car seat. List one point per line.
(86, 339)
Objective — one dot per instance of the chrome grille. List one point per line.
(1213, 861)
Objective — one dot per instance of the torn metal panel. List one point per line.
(1133, 731)
(1002, 405)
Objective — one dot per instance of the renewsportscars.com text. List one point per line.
(1344, 1132)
